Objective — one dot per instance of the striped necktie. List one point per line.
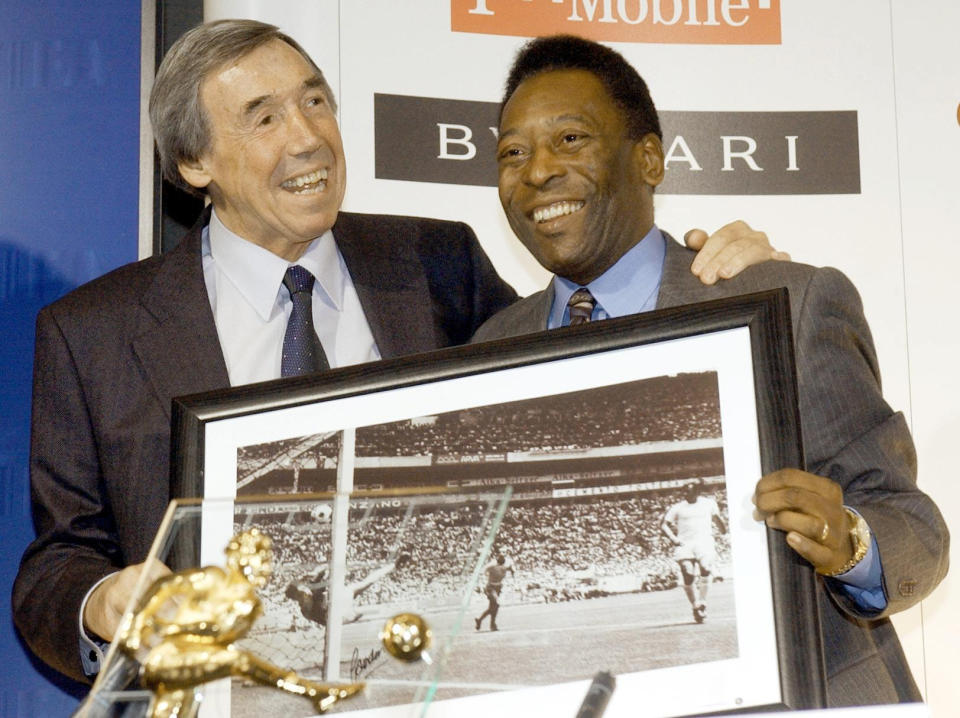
(581, 306)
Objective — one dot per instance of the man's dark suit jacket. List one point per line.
(850, 435)
(112, 354)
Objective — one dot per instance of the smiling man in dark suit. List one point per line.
(579, 157)
(243, 116)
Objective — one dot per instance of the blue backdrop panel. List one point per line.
(69, 123)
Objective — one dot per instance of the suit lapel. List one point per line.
(390, 283)
(176, 341)
(538, 313)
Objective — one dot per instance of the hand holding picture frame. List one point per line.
(599, 431)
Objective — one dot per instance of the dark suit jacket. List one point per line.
(112, 354)
(849, 435)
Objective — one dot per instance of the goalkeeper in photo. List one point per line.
(689, 526)
(312, 593)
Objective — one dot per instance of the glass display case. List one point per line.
(342, 567)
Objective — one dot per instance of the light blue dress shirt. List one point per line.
(629, 286)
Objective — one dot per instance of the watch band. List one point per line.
(859, 539)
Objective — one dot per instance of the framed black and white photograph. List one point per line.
(630, 448)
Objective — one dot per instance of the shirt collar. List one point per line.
(631, 285)
(257, 273)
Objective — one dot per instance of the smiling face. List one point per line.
(275, 169)
(576, 190)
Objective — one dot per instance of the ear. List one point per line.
(648, 154)
(194, 173)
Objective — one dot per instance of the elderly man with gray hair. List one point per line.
(274, 280)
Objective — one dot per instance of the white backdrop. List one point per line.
(892, 63)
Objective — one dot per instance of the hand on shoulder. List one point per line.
(729, 250)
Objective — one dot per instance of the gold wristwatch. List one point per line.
(859, 540)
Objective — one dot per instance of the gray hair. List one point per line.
(181, 127)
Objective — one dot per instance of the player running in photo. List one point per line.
(496, 572)
(689, 526)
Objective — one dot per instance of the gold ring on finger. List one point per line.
(825, 532)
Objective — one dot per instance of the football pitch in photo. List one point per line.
(534, 645)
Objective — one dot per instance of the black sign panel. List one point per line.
(424, 139)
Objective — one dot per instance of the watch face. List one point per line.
(860, 535)
(859, 541)
(863, 531)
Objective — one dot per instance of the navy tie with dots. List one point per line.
(581, 306)
(302, 351)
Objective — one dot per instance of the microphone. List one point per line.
(598, 695)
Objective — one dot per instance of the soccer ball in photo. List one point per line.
(321, 513)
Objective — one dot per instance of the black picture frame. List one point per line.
(764, 315)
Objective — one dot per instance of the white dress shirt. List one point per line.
(251, 307)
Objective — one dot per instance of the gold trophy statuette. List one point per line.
(184, 633)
